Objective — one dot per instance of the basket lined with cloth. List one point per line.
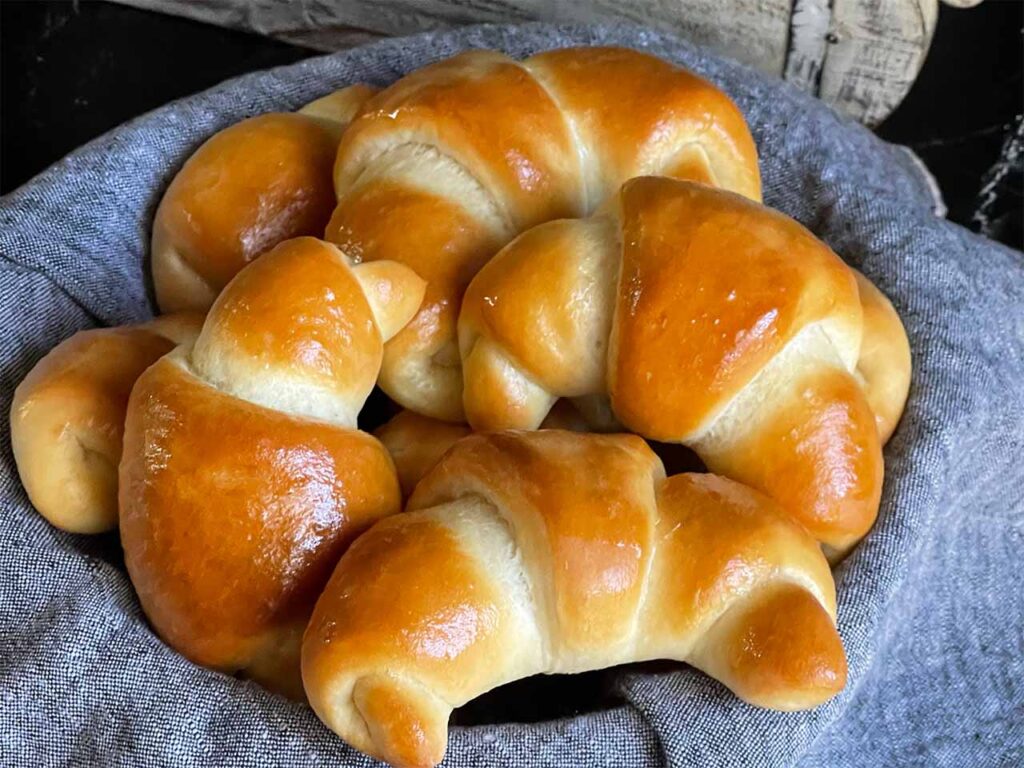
(87, 682)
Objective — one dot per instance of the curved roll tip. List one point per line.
(407, 726)
(779, 651)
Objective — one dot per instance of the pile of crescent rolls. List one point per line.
(545, 263)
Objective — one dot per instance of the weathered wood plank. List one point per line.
(861, 56)
(808, 43)
(876, 49)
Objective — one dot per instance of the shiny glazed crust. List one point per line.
(448, 164)
(553, 552)
(705, 319)
(233, 516)
(243, 476)
(246, 189)
(67, 418)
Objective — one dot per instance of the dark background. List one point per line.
(71, 71)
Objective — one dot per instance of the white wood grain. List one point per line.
(876, 49)
(861, 56)
(808, 44)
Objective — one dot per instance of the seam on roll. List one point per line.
(776, 579)
(694, 142)
(570, 119)
(536, 604)
(645, 580)
(184, 360)
(524, 371)
(494, 203)
(775, 361)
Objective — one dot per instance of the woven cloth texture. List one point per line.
(930, 604)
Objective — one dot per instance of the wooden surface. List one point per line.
(875, 51)
(861, 56)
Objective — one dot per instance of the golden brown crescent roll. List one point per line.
(416, 443)
(67, 418)
(884, 361)
(554, 552)
(448, 164)
(246, 189)
(708, 320)
(243, 476)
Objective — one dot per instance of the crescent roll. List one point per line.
(702, 318)
(243, 476)
(552, 552)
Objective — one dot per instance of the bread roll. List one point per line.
(704, 319)
(447, 165)
(555, 552)
(246, 189)
(67, 418)
(244, 477)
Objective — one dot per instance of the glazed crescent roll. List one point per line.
(244, 476)
(556, 552)
(67, 418)
(246, 189)
(416, 443)
(451, 162)
(706, 319)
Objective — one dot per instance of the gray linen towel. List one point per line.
(931, 605)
